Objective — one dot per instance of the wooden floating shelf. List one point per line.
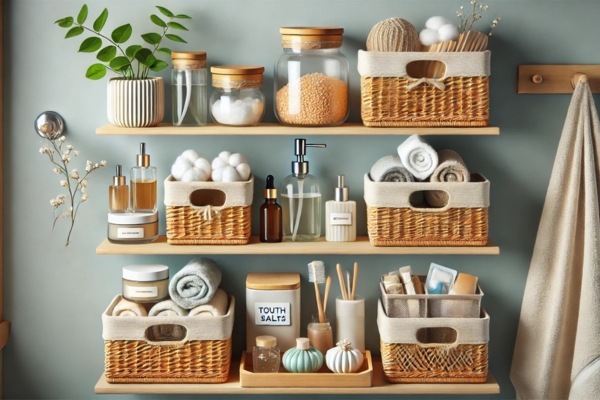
(360, 246)
(232, 386)
(274, 129)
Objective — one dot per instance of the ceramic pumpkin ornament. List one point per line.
(303, 357)
(343, 359)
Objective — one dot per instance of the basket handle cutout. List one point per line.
(437, 335)
(166, 335)
(429, 72)
(207, 197)
(429, 200)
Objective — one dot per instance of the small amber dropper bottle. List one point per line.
(270, 215)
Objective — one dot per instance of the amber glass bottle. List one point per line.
(270, 215)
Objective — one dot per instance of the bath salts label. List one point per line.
(340, 218)
(133, 233)
(272, 314)
(150, 291)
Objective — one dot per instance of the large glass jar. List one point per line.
(311, 78)
(188, 88)
(237, 99)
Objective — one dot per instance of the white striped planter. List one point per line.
(136, 103)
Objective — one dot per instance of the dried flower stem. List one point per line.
(467, 21)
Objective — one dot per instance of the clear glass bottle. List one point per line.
(188, 88)
(301, 199)
(340, 215)
(118, 193)
(265, 355)
(311, 78)
(143, 183)
(237, 99)
(270, 215)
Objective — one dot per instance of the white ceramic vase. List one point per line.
(136, 103)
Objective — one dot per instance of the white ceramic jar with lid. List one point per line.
(131, 228)
(311, 77)
(237, 98)
(146, 283)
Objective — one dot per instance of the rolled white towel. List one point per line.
(390, 169)
(167, 308)
(217, 306)
(126, 308)
(418, 157)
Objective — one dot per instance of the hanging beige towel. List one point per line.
(451, 168)
(557, 351)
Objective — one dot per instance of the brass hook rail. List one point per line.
(548, 79)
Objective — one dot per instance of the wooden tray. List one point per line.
(324, 378)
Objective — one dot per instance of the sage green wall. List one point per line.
(54, 295)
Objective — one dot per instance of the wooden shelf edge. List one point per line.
(361, 246)
(274, 129)
(232, 386)
(4, 333)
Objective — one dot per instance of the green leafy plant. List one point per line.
(136, 61)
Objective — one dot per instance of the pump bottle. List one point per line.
(143, 183)
(340, 215)
(301, 199)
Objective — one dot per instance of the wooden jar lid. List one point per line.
(284, 281)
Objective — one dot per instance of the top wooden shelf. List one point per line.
(274, 129)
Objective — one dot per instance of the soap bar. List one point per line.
(464, 284)
(439, 279)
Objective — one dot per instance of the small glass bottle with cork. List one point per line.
(266, 356)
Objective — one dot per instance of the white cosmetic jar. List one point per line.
(146, 283)
(131, 228)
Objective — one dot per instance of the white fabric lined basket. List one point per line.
(179, 193)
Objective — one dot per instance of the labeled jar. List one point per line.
(265, 355)
(131, 228)
(311, 77)
(188, 88)
(146, 283)
(237, 98)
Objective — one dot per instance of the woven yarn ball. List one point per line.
(393, 34)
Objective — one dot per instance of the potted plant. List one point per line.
(134, 99)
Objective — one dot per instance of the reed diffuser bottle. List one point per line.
(270, 215)
(143, 183)
(118, 193)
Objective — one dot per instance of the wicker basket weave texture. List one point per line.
(196, 361)
(186, 225)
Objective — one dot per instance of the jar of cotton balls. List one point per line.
(237, 99)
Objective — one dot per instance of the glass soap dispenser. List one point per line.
(340, 215)
(118, 193)
(270, 215)
(143, 183)
(266, 355)
(301, 199)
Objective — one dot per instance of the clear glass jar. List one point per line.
(237, 99)
(266, 355)
(188, 88)
(311, 78)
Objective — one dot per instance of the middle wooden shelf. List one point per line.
(361, 246)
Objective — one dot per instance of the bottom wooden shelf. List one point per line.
(380, 386)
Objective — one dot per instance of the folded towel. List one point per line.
(418, 157)
(167, 308)
(390, 169)
(217, 306)
(126, 308)
(451, 168)
(196, 283)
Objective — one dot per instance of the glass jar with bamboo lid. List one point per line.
(188, 88)
(237, 98)
(311, 77)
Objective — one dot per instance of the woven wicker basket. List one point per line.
(208, 212)
(133, 354)
(390, 97)
(393, 221)
(415, 350)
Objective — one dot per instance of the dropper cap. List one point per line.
(143, 159)
(119, 179)
(341, 192)
(270, 191)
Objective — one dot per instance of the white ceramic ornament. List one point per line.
(343, 359)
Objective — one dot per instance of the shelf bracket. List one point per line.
(552, 79)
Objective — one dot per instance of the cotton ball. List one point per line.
(448, 32)
(224, 155)
(218, 163)
(428, 37)
(237, 159)
(191, 175)
(244, 171)
(191, 155)
(179, 167)
(436, 23)
(217, 174)
(204, 169)
(230, 174)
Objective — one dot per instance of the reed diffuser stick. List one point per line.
(354, 280)
(341, 278)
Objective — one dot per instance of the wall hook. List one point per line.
(578, 76)
(50, 125)
(546, 79)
